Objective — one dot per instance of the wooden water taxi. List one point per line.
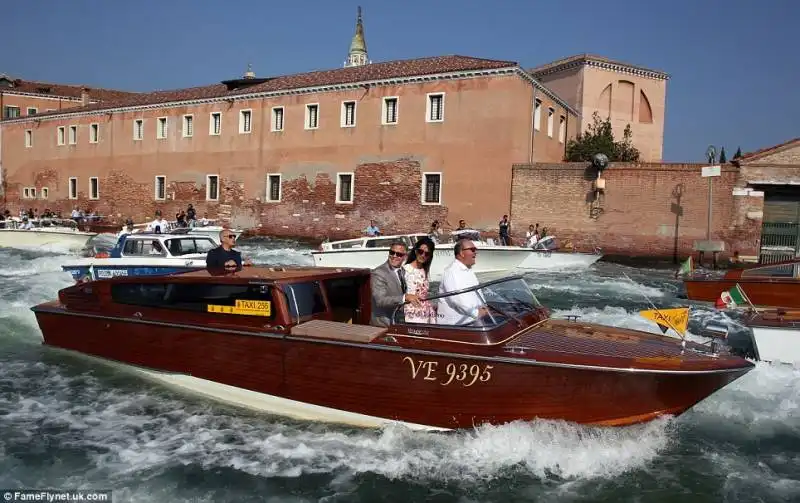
(296, 342)
(776, 284)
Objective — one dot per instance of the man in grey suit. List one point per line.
(388, 286)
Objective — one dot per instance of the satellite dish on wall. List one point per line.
(600, 161)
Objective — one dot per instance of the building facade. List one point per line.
(626, 94)
(319, 153)
(315, 154)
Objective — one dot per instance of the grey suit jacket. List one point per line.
(386, 294)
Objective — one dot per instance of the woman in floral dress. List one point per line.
(416, 270)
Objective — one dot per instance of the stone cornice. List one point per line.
(419, 79)
(603, 65)
(538, 85)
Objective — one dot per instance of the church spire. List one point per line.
(358, 46)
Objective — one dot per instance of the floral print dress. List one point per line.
(417, 284)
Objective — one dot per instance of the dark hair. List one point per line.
(398, 243)
(412, 255)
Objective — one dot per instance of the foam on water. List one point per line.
(67, 420)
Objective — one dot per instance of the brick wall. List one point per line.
(645, 210)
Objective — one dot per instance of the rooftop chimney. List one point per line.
(84, 96)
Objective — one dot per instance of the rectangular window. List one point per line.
(212, 187)
(312, 116)
(562, 129)
(274, 188)
(215, 124)
(188, 126)
(431, 188)
(344, 187)
(435, 107)
(33, 110)
(245, 121)
(28, 138)
(45, 192)
(537, 114)
(73, 135)
(389, 110)
(550, 114)
(26, 193)
(348, 113)
(160, 188)
(138, 129)
(60, 135)
(277, 118)
(73, 188)
(161, 129)
(94, 188)
(33, 192)
(10, 112)
(94, 133)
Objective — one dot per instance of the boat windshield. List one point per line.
(495, 301)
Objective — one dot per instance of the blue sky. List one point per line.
(734, 66)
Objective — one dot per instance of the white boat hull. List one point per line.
(777, 344)
(540, 260)
(48, 238)
(103, 268)
(490, 258)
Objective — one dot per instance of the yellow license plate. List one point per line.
(244, 307)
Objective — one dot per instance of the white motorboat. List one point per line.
(370, 252)
(45, 233)
(172, 227)
(547, 255)
(145, 254)
(776, 334)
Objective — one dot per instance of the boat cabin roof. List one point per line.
(280, 273)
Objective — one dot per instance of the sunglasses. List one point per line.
(397, 254)
(423, 253)
(472, 249)
(231, 236)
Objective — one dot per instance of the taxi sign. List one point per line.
(244, 307)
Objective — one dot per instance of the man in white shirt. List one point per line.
(159, 225)
(464, 308)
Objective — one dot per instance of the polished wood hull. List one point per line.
(761, 292)
(403, 378)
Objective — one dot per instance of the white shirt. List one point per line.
(151, 227)
(463, 308)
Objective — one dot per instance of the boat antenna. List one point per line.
(653, 306)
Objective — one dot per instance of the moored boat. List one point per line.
(776, 284)
(145, 254)
(296, 342)
(44, 233)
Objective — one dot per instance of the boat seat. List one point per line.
(335, 330)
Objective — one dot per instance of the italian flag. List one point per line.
(686, 268)
(732, 298)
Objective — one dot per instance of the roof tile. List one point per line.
(350, 75)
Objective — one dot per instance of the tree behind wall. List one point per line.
(722, 157)
(599, 139)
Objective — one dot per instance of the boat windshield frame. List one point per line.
(497, 316)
